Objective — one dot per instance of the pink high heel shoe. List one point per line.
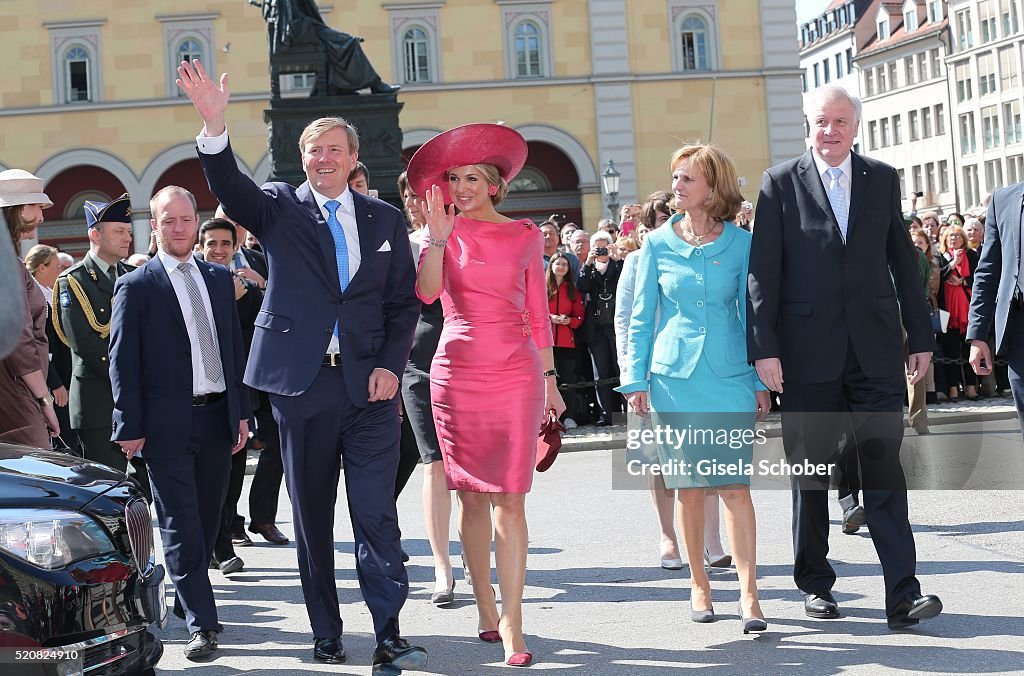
(520, 660)
(491, 636)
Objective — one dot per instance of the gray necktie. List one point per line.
(207, 348)
(837, 198)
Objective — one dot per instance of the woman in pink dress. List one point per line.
(493, 376)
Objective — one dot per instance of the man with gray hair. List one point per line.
(832, 276)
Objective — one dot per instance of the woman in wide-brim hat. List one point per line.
(492, 379)
(26, 407)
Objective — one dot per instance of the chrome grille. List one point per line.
(140, 533)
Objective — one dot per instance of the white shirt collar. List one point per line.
(171, 263)
(48, 293)
(823, 166)
(345, 198)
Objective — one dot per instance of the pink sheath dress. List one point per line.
(486, 380)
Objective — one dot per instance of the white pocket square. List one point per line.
(386, 246)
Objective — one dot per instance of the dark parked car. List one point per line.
(78, 576)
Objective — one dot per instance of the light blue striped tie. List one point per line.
(837, 198)
(340, 245)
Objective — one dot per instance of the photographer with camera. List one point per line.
(599, 277)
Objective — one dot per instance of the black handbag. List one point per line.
(604, 310)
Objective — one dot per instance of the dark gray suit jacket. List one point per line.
(810, 296)
(993, 290)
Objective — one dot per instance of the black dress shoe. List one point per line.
(821, 605)
(328, 650)
(405, 557)
(232, 565)
(602, 422)
(395, 653)
(853, 518)
(239, 538)
(201, 644)
(269, 532)
(913, 609)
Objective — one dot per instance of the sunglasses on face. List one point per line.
(956, 223)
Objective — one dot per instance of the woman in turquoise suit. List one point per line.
(688, 331)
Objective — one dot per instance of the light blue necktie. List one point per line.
(237, 261)
(837, 198)
(340, 245)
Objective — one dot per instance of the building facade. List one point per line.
(906, 117)
(92, 107)
(985, 92)
(829, 44)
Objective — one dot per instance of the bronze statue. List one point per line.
(296, 26)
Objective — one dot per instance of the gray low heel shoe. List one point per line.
(751, 625)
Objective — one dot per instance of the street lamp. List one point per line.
(610, 179)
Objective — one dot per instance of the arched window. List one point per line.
(190, 50)
(75, 208)
(188, 38)
(416, 51)
(77, 75)
(693, 35)
(528, 52)
(530, 180)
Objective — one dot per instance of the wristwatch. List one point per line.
(45, 400)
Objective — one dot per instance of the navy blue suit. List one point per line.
(995, 286)
(323, 411)
(188, 448)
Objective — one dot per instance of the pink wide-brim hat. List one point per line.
(18, 187)
(479, 143)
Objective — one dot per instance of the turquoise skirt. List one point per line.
(707, 425)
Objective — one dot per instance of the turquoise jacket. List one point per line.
(689, 301)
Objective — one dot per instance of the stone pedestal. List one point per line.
(375, 117)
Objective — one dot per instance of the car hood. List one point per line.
(34, 477)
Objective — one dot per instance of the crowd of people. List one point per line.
(357, 339)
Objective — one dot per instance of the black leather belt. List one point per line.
(332, 359)
(204, 399)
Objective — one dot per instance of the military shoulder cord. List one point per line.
(90, 315)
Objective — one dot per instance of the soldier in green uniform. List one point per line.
(81, 318)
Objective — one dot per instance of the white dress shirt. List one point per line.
(47, 293)
(200, 385)
(346, 213)
(237, 260)
(845, 180)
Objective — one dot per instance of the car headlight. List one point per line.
(51, 538)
